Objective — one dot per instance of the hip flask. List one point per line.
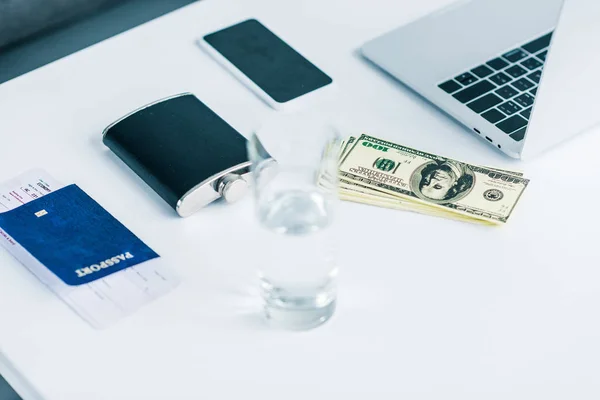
(184, 151)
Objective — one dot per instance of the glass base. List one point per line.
(291, 311)
(298, 319)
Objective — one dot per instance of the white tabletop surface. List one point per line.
(428, 308)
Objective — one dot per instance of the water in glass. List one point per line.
(297, 267)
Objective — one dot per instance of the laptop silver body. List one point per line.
(433, 52)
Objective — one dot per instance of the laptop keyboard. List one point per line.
(503, 89)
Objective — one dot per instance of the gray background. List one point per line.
(6, 393)
(22, 18)
(57, 32)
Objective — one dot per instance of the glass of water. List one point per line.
(295, 187)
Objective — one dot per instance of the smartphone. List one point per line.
(267, 65)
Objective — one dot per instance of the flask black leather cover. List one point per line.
(177, 144)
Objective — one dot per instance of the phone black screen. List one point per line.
(268, 61)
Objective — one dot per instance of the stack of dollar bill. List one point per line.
(380, 173)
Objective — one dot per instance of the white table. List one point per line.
(428, 308)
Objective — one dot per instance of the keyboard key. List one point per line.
(533, 91)
(526, 113)
(524, 100)
(497, 64)
(449, 86)
(484, 103)
(531, 63)
(523, 84)
(538, 44)
(512, 124)
(507, 92)
(519, 135)
(482, 71)
(516, 71)
(493, 115)
(542, 55)
(500, 78)
(509, 108)
(515, 55)
(474, 91)
(466, 79)
(536, 76)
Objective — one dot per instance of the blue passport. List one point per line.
(74, 237)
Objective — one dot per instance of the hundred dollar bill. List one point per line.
(354, 192)
(347, 145)
(440, 183)
(351, 186)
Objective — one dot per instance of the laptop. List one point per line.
(523, 75)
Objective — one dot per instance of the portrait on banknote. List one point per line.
(442, 181)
